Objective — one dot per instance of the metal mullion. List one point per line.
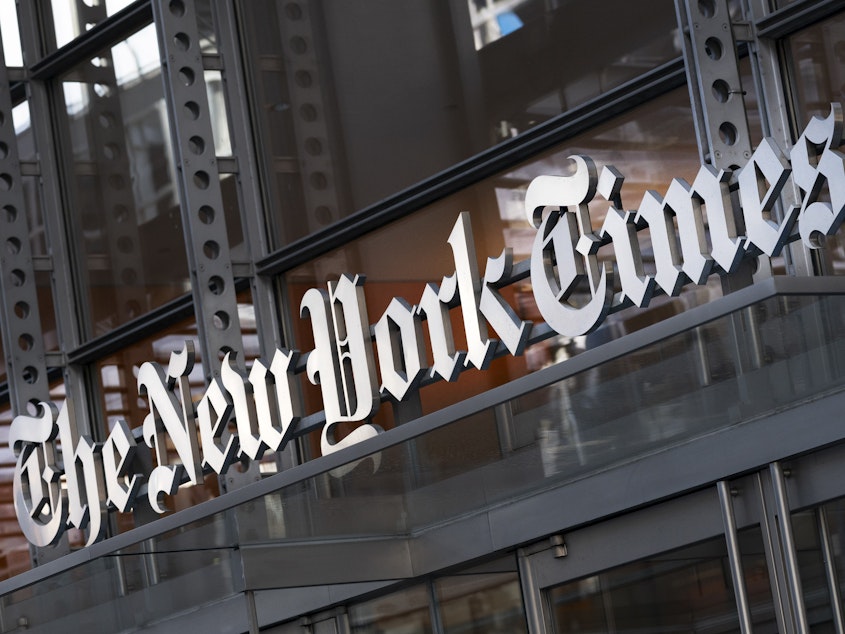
(784, 518)
(500, 157)
(23, 339)
(774, 557)
(201, 198)
(828, 557)
(30, 34)
(112, 30)
(734, 557)
(203, 220)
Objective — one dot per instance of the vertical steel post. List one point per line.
(734, 557)
(23, 340)
(27, 369)
(206, 238)
(793, 577)
(828, 556)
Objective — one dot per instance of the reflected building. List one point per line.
(446, 442)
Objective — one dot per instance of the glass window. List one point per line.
(356, 101)
(687, 590)
(490, 603)
(125, 206)
(403, 612)
(819, 533)
(650, 145)
(10, 34)
(72, 18)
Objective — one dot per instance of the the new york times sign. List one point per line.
(76, 491)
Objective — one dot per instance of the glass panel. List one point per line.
(72, 18)
(205, 25)
(650, 145)
(340, 84)
(122, 592)
(660, 396)
(815, 57)
(811, 566)
(126, 208)
(218, 112)
(404, 612)
(487, 603)
(10, 34)
(687, 590)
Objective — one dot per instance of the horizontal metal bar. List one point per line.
(112, 30)
(130, 332)
(487, 163)
(796, 16)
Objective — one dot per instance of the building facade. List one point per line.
(422, 317)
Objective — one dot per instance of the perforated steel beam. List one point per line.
(203, 219)
(713, 56)
(23, 340)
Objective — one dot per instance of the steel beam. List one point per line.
(203, 218)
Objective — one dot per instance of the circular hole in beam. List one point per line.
(182, 41)
(206, 214)
(177, 8)
(21, 310)
(728, 133)
(192, 110)
(186, 75)
(221, 320)
(211, 250)
(713, 48)
(29, 375)
(216, 285)
(202, 180)
(707, 8)
(25, 342)
(721, 90)
(196, 144)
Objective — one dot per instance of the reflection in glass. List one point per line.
(687, 590)
(125, 203)
(338, 83)
(826, 522)
(489, 603)
(816, 57)
(403, 612)
(650, 145)
(124, 591)
(72, 18)
(9, 33)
